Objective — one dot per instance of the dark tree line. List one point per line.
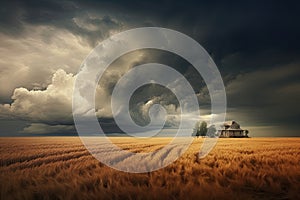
(202, 130)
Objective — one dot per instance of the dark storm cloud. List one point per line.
(68, 15)
(254, 33)
(255, 45)
(267, 96)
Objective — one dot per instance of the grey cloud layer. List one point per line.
(254, 44)
(31, 60)
(267, 96)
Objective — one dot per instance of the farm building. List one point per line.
(232, 129)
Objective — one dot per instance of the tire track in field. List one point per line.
(53, 157)
(47, 160)
(28, 152)
(129, 161)
(143, 148)
(28, 158)
(35, 149)
(115, 157)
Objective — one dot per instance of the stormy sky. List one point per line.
(255, 45)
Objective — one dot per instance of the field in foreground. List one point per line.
(61, 168)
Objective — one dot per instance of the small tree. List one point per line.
(200, 129)
(197, 129)
(246, 132)
(211, 131)
(203, 128)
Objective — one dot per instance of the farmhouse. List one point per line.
(232, 129)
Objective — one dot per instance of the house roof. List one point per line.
(229, 123)
(232, 125)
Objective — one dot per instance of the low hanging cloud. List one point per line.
(32, 59)
(266, 97)
(50, 109)
(50, 106)
(40, 128)
(39, 49)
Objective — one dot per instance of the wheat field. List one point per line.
(62, 168)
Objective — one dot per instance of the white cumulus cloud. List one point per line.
(50, 106)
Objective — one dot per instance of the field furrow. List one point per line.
(62, 168)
